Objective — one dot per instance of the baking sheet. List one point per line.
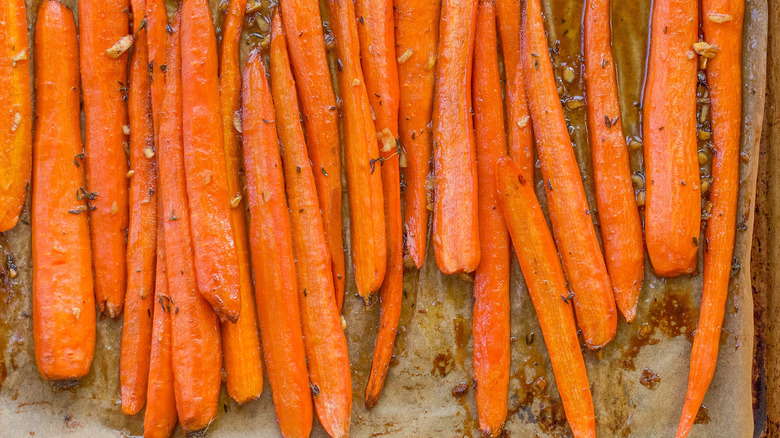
(638, 381)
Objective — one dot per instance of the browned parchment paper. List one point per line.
(638, 381)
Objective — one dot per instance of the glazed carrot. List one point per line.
(722, 24)
(518, 118)
(455, 221)
(15, 112)
(621, 228)
(364, 181)
(104, 40)
(196, 354)
(63, 301)
(575, 236)
(491, 282)
(673, 205)
(216, 258)
(142, 237)
(240, 341)
(321, 119)
(156, 22)
(323, 334)
(416, 39)
(543, 274)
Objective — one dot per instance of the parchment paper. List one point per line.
(638, 381)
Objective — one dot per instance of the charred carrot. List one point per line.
(306, 44)
(722, 21)
(621, 228)
(518, 118)
(543, 274)
(491, 282)
(364, 181)
(216, 258)
(323, 334)
(104, 41)
(575, 236)
(240, 341)
(156, 22)
(15, 112)
(63, 301)
(142, 237)
(416, 39)
(455, 218)
(673, 204)
(196, 354)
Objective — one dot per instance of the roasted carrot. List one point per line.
(15, 112)
(156, 22)
(240, 341)
(722, 21)
(196, 354)
(216, 257)
(323, 334)
(306, 44)
(621, 228)
(416, 38)
(543, 274)
(104, 40)
(491, 282)
(455, 218)
(364, 181)
(575, 236)
(518, 118)
(142, 237)
(63, 301)
(673, 193)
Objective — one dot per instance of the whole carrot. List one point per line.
(15, 112)
(63, 302)
(375, 31)
(575, 236)
(518, 118)
(156, 34)
(416, 39)
(142, 237)
(323, 334)
(306, 44)
(722, 24)
(196, 354)
(455, 218)
(103, 43)
(621, 228)
(541, 268)
(216, 258)
(240, 341)
(673, 205)
(491, 282)
(364, 181)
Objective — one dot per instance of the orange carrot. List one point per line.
(104, 41)
(196, 354)
(364, 182)
(521, 139)
(416, 38)
(156, 34)
(455, 218)
(63, 301)
(575, 236)
(491, 282)
(722, 24)
(323, 334)
(673, 205)
(321, 119)
(543, 274)
(240, 341)
(216, 258)
(142, 237)
(272, 253)
(15, 112)
(621, 227)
